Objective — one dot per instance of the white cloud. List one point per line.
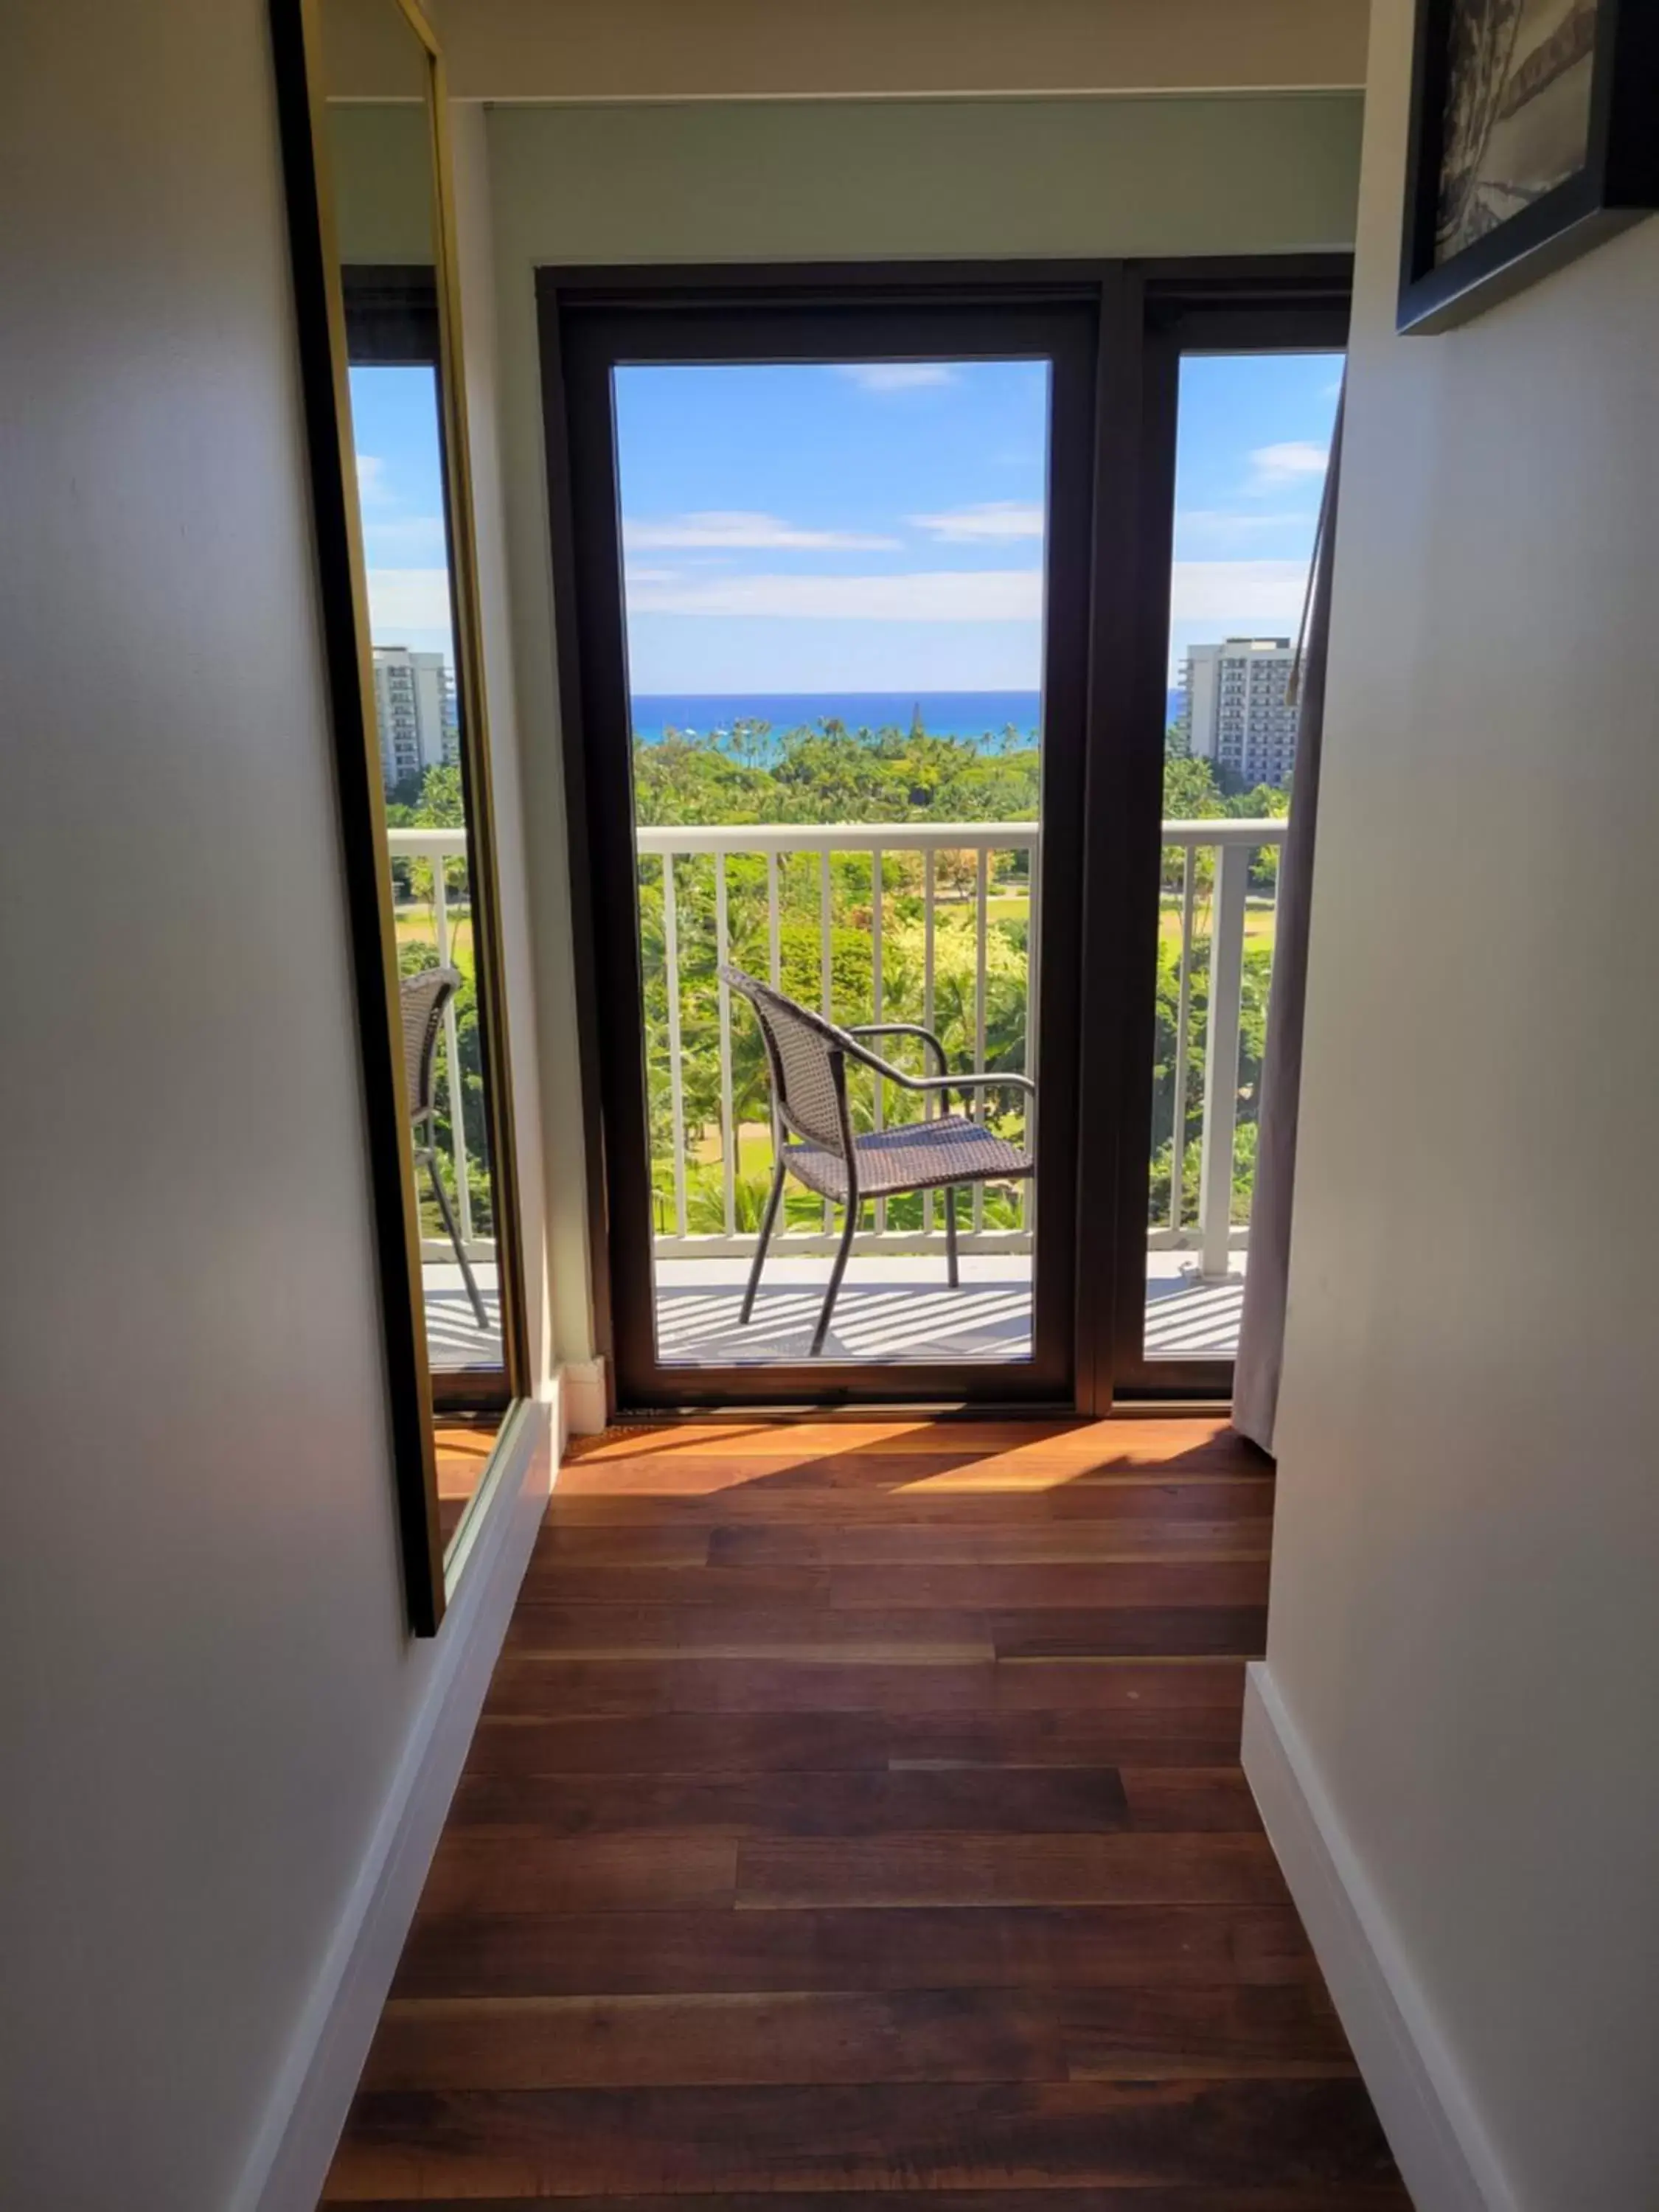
(730, 532)
(393, 541)
(895, 375)
(408, 599)
(991, 518)
(1235, 595)
(1293, 462)
(1223, 526)
(373, 489)
(935, 596)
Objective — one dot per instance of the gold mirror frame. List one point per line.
(430, 1573)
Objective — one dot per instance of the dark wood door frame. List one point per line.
(1096, 1065)
(1280, 307)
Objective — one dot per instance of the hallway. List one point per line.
(856, 1809)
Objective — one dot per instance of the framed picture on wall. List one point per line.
(1535, 135)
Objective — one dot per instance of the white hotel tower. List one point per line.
(1236, 713)
(414, 709)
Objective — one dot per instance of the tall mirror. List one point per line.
(362, 102)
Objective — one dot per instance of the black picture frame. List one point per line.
(1617, 185)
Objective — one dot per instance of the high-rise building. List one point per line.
(1236, 713)
(415, 712)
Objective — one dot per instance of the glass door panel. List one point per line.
(834, 600)
(1253, 434)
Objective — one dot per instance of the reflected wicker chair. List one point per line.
(807, 1057)
(424, 996)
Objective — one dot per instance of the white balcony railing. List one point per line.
(876, 840)
(1233, 842)
(438, 847)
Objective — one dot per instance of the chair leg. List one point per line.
(479, 1314)
(768, 1220)
(836, 1274)
(953, 1274)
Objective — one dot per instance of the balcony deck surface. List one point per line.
(889, 1309)
(902, 1309)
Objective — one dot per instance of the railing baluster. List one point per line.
(670, 938)
(728, 1121)
(1232, 878)
(927, 1003)
(1235, 843)
(1183, 1031)
(876, 888)
(1033, 1007)
(826, 971)
(453, 1055)
(981, 950)
(774, 937)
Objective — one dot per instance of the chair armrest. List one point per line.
(902, 1029)
(987, 1080)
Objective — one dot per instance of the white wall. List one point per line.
(519, 859)
(625, 49)
(834, 181)
(207, 1685)
(1464, 1628)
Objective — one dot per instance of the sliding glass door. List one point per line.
(833, 582)
(869, 666)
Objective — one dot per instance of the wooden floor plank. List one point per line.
(1289, 2197)
(1186, 1799)
(994, 1869)
(568, 1580)
(535, 1684)
(1071, 1586)
(742, 1630)
(524, 1871)
(1212, 1496)
(905, 1481)
(1152, 1441)
(935, 2135)
(816, 1741)
(972, 1537)
(1086, 1801)
(856, 1809)
(796, 2038)
(1097, 1946)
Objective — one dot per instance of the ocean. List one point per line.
(972, 714)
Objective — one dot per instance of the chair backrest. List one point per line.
(425, 995)
(807, 1055)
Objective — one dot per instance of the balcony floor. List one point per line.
(902, 1309)
(454, 1341)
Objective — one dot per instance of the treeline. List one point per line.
(828, 773)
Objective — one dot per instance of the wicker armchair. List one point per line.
(808, 1058)
(424, 996)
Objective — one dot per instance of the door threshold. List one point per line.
(1017, 1409)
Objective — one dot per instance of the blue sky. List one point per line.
(876, 527)
(394, 418)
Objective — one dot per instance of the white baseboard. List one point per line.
(1444, 2151)
(584, 1396)
(308, 2107)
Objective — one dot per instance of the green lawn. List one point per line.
(416, 926)
(1258, 916)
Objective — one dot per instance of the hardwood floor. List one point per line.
(464, 1443)
(856, 1810)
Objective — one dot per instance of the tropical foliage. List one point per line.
(826, 774)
